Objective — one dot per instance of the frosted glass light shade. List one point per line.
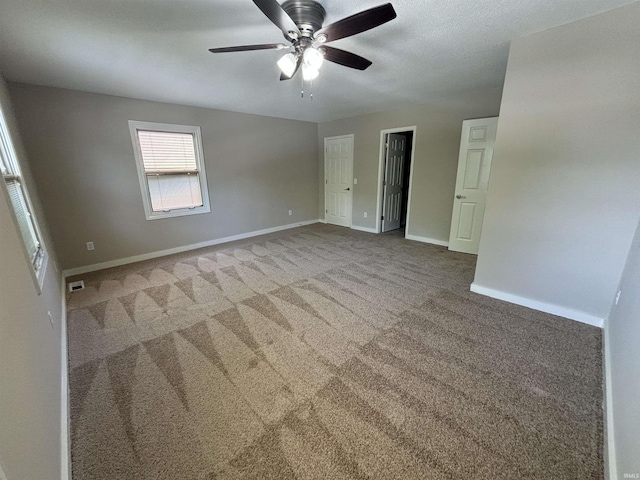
(313, 58)
(309, 73)
(287, 64)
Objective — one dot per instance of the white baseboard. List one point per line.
(418, 238)
(161, 253)
(322, 220)
(65, 414)
(364, 229)
(541, 306)
(610, 467)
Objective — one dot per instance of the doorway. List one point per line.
(394, 179)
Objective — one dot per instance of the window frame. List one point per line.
(134, 126)
(9, 159)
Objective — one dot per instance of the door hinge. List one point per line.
(326, 182)
(326, 211)
(382, 217)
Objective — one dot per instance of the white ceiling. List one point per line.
(157, 50)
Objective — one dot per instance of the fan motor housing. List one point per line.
(308, 15)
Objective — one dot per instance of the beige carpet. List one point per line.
(324, 353)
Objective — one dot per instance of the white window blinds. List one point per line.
(172, 169)
(10, 171)
(25, 222)
(169, 192)
(167, 152)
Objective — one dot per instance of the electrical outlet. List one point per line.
(618, 296)
(290, 212)
(355, 181)
(90, 246)
(365, 214)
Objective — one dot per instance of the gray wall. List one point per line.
(436, 144)
(623, 361)
(563, 196)
(82, 158)
(30, 347)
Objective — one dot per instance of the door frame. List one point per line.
(382, 158)
(324, 167)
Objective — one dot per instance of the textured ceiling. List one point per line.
(157, 50)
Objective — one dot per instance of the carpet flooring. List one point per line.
(325, 353)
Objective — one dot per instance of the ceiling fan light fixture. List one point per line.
(302, 23)
(309, 73)
(287, 64)
(313, 58)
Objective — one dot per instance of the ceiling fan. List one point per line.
(301, 23)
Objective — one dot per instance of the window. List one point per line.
(170, 169)
(21, 205)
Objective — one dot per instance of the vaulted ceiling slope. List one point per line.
(157, 50)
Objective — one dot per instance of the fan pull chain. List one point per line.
(310, 90)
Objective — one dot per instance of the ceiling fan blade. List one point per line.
(284, 77)
(246, 48)
(358, 23)
(345, 58)
(275, 13)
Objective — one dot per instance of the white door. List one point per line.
(338, 179)
(474, 166)
(396, 146)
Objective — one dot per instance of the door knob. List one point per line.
(347, 189)
(460, 196)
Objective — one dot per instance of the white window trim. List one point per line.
(134, 126)
(10, 157)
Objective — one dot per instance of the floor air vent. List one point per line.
(73, 286)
